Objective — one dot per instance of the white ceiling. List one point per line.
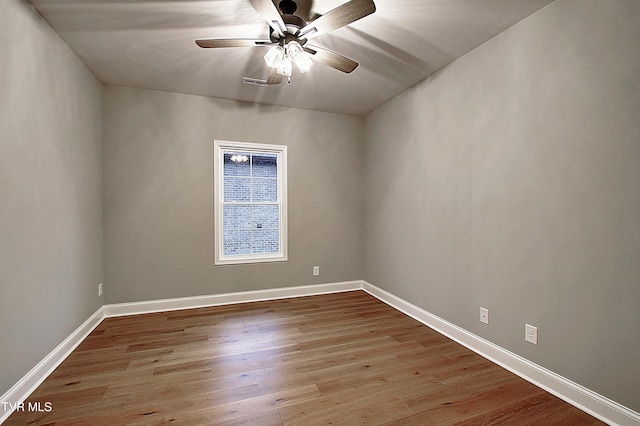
(150, 44)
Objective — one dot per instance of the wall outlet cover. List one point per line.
(531, 334)
(484, 315)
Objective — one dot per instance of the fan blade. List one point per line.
(274, 77)
(270, 13)
(332, 59)
(232, 42)
(339, 17)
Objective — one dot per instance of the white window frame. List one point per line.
(219, 148)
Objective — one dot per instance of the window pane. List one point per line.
(237, 243)
(239, 167)
(265, 241)
(237, 189)
(236, 217)
(250, 198)
(265, 165)
(264, 189)
(264, 217)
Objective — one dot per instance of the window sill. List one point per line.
(246, 260)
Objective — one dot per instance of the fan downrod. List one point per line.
(288, 7)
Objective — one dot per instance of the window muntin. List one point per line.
(250, 199)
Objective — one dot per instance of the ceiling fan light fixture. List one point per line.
(282, 58)
(289, 33)
(274, 56)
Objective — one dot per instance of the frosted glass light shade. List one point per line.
(299, 57)
(294, 50)
(285, 67)
(274, 56)
(304, 63)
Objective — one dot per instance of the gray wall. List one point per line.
(511, 180)
(159, 194)
(50, 191)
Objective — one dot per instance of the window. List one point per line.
(250, 196)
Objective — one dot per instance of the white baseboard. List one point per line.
(591, 402)
(21, 390)
(134, 308)
(597, 405)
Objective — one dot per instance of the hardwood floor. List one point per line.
(342, 358)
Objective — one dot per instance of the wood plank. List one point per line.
(343, 358)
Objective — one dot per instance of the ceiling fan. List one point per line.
(289, 38)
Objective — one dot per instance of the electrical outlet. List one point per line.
(100, 289)
(531, 334)
(484, 315)
(316, 270)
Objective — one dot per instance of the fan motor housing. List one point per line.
(294, 21)
(293, 24)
